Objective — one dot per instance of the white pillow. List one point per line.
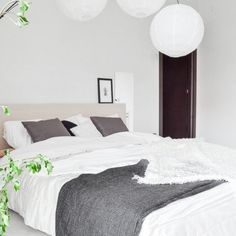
(16, 135)
(86, 129)
(75, 119)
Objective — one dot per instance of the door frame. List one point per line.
(192, 92)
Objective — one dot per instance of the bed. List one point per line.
(209, 212)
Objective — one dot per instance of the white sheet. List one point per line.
(37, 199)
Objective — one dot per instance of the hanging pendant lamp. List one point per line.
(82, 10)
(177, 30)
(141, 8)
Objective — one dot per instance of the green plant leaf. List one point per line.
(49, 168)
(6, 152)
(23, 20)
(16, 184)
(6, 110)
(24, 6)
(10, 173)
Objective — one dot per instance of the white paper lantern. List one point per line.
(141, 8)
(82, 10)
(177, 30)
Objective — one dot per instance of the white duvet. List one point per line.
(211, 213)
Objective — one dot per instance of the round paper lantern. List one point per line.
(82, 10)
(141, 8)
(177, 30)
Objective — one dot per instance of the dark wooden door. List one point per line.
(178, 96)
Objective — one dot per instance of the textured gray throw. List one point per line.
(112, 204)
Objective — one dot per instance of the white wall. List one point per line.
(216, 118)
(56, 60)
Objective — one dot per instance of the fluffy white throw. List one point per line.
(182, 161)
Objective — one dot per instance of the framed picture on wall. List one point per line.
(105, 90)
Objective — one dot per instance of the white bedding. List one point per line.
(210, 213)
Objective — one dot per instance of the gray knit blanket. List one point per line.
(111, 203)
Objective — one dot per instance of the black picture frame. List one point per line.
(104, 83)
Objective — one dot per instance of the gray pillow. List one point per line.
(45, 129)
(108, 125)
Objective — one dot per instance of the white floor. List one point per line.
(18, 228)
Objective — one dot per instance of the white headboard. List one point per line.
(61, 111)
